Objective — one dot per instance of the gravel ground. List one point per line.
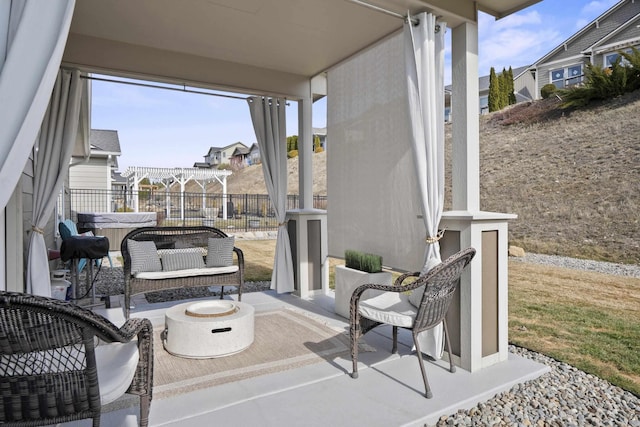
(565, 396)
(582, 264)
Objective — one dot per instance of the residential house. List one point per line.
(239, 158)
(321, 134)
(598, 43)
(96, 171)
(253, 157)
(217, 156)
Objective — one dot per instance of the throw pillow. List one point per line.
(144, 256)
(415, 297)
(182, 261)
(220, 251)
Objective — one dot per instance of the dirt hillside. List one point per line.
(573, 178)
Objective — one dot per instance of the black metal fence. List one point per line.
(244, 212)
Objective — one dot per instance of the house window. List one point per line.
(574, 75)
(610, 58)
(568, 76)
(484, 104)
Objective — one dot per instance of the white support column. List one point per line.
(136, 192)
(465, 102)
(308, 226)
(305, 152)
(480, 335)
(308, 237)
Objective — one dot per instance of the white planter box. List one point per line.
(348, 279)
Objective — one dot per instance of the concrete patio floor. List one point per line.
(388, 392)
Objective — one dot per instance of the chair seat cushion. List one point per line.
(392, 308)
(117, 364)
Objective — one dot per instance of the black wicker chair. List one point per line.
(51, 358)
(441, 282)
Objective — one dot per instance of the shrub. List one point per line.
(357, 260)
(605, 83)
(291, 154)
(547, 90)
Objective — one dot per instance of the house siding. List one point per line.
(524, 86)
(632, 32)
(90, 175)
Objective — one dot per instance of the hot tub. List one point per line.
(114, 225)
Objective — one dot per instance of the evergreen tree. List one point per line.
(292, 143)
(512, 94)
(494, 91)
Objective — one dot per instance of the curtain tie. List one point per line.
(37, 229)
(431, 240)
(280, 224)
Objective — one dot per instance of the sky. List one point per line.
(165, 128)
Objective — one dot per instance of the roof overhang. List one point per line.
(256, 46)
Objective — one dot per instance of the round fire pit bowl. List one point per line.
(207, 329)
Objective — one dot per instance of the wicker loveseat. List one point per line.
(160, 258)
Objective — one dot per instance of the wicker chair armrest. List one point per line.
(240, 256)
(109, 332)
(403, 277)
(131, 329)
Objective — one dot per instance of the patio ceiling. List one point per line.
(284, 42)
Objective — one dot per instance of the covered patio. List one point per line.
(275, 51)
(389, 391)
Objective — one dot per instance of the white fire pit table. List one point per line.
(206, 329)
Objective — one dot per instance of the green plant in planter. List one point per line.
(358, 260)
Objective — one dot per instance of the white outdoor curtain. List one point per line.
(53, 150)
(33, 35)
(268, 117)
(424, 60)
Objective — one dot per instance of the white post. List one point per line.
(482, 306)
(466, 124)
(135, 190)
(305, 152)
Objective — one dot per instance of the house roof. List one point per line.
(104, 141)
(248, 44)
(240, 151)
(606, 40)
(216, 149)
(117, 178)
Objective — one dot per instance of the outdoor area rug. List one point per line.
(284, 339)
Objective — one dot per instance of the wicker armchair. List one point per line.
(393, 307)
(60, 362)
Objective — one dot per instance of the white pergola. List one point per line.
(168, 176)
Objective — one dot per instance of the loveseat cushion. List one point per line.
(207, 271)
(144, 256)
(220, 251)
